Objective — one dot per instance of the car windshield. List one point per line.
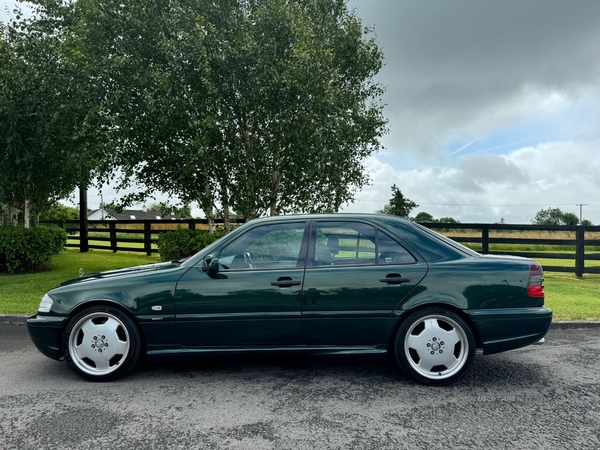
(449, 241)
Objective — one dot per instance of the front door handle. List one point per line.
(284, 282)
(394, 278)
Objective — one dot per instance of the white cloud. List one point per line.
(489, 187)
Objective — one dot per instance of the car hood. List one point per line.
(136, 270)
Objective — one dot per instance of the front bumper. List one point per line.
(505, 329)
(46, 333)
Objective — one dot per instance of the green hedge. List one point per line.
(184, 242)
(23, 250)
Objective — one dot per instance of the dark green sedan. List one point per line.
(334, 284)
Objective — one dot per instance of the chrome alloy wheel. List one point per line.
(99, 343)
(436, 347)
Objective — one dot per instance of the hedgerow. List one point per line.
(184, 242)
(29, 250)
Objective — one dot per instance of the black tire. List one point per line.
(434, 346)
(101, 343)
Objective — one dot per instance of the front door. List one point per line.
(255, 299)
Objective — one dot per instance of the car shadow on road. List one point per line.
(495, 370)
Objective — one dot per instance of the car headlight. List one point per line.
(45, 304)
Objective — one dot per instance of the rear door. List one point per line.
(355, 277)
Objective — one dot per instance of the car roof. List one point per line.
(424, 241)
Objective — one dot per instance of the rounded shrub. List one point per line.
(29, 250)
(184, 242)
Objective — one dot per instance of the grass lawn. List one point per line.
(569, 297)
(21, 294)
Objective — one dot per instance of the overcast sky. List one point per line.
(494, 107)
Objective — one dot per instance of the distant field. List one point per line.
(569, 297)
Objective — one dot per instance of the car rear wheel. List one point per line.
(434, 346)
(101, 343)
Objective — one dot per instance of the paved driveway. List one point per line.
(537, 397)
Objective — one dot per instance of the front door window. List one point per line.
(267, 247)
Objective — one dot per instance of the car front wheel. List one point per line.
(101, 343)
(434, 346)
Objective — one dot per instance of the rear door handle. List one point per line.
(394, 278)
(284, 282)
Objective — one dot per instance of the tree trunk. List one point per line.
(274, 192)
(226, 215)
(210, 218)
(26, 214)
(13, 216)
(207, 207)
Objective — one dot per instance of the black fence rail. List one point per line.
(126, 235)
(565, 243)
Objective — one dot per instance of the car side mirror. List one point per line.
(210, 265)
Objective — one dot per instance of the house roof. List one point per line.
(129, 214)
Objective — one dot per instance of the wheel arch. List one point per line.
(460, 312)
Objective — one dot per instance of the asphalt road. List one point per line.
(538, 397)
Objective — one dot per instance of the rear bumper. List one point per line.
(505, 329)
(46, 334)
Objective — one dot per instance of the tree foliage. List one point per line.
(398, 205)
(184, 242)
(30, 162)
(185, 211)
(554, 216)
(424, 217)
(44, 112)
(448, 220)
(262, 106)
(58, 211)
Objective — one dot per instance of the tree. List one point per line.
(398, 205)
(448, 220)
(267, 106)
(586, 223)
(58, 211)
(570, 218)
(44, 114)
(428, 218)
(554, 216)
(33, 168)
(424, 217)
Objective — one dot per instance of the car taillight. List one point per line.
(535, 287)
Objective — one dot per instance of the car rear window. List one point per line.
(447, 240)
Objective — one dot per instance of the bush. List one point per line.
(184, 242)
(23, 250)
